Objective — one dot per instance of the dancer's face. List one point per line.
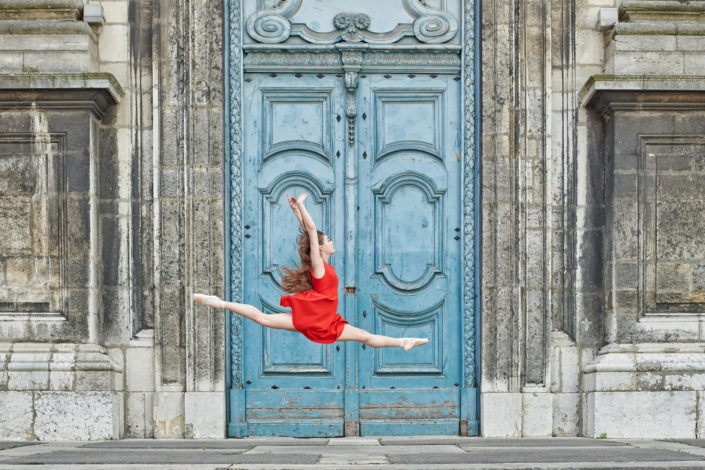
(327, 247)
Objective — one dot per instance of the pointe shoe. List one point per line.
(408, 343)
(209, 300)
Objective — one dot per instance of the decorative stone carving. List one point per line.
(401, 59)
(235, 135)
(431, 26)
(469, 227)
(351, 65)
(352, 25)
(273, 25)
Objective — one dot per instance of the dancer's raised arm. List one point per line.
(295, 208)
(309, 226)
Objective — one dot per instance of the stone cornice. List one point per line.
(659, 28)
(40, 9)
(46, 27)
(414, 59)
(662, 10)
(94, 91)
(661, 91)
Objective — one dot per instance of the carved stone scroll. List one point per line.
(272, 25)
(430, 25)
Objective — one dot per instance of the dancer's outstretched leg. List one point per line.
(351, 333)
(279, 321)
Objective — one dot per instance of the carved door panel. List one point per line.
(292, 144)
(409, 253)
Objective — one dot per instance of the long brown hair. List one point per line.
(299, 279)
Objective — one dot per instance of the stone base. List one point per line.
(204, 415)
(60, 416)
(528, 414)
(59, 392)
(649, 415)
(650, 391)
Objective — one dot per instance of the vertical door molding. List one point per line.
(469, 401)
(237, 425)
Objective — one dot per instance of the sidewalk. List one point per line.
(384, 453)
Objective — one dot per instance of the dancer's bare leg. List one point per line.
(279, 321)
(351, 333)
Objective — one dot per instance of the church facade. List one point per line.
(518, 181)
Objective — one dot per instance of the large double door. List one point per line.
(385, 187)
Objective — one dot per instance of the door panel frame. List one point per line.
(471, 225)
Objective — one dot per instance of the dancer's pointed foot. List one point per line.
(209, 300)
(408, 343)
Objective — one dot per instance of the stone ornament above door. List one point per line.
(276, 22)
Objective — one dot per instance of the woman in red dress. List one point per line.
(315, 301)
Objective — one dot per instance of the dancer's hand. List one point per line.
(301, 199)
(292, 201)
(209, 300)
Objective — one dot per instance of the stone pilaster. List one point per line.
(188, 220)
(646, 129)
(53, 104)
(517, 235)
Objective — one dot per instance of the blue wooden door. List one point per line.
(292, 144)
(409, 253)
(391, 202)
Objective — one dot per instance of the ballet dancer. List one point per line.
(314, 302)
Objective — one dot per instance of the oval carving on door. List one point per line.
(409, 232)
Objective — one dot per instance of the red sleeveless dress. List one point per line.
(314, 311)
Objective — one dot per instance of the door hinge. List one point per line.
(350, 289)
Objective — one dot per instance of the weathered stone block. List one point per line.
(97, 380)
(115, 11)
(622, 414)
(58, 61)
(648, 63)
(643, 43)
(140, 369)
(114, 40)
(537, 414)
(694, 63)
(204, 415)
(591, 46)
(61, 381)
(169, 415)
(565, 371)
(11, 62)
(566, 414)
(84, 416)
(501, 414)
(138, 415)
(16, 417)
(700, 424)
(28, 369)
